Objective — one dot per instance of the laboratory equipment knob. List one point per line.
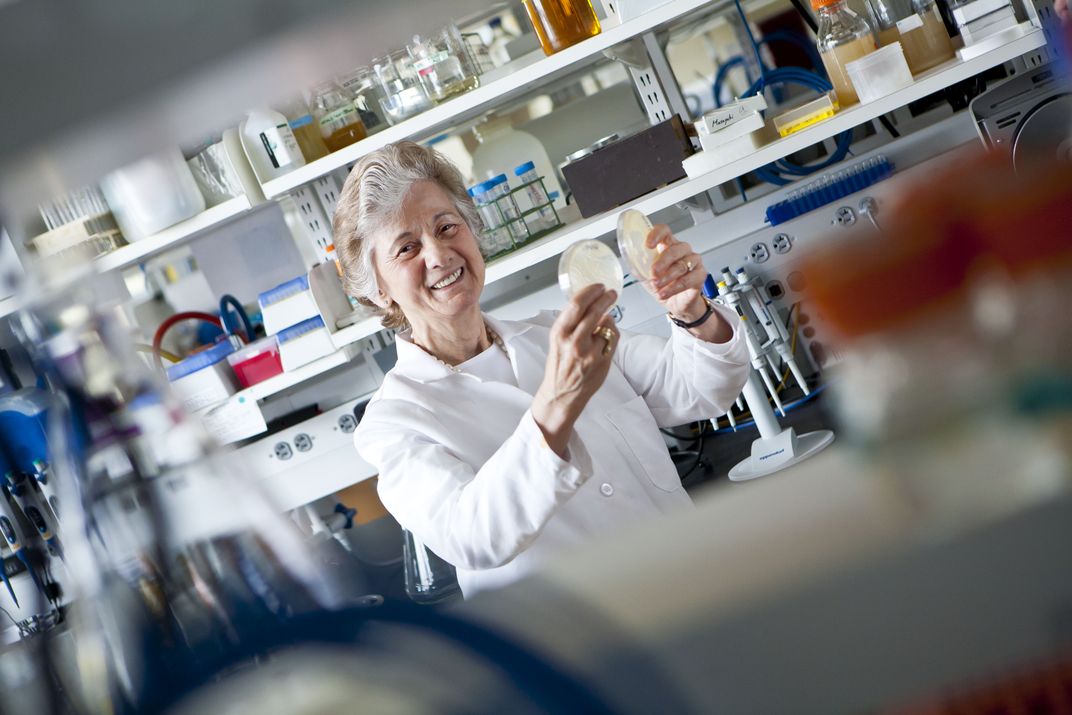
(869, 208)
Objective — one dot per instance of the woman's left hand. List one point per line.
(678, 275)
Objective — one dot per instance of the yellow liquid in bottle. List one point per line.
(345, 136)
(309, 141)
(835, 59)
(927, 45)
(561, 23)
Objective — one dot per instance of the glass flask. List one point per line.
(561, 23)
(338, 118)
(403, 93)
(443, 64)
(843, 37)
(917, 25)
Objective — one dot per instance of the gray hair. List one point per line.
(372, 197)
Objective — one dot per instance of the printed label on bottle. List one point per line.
(426, 64)
(909, 23)
(339, 118)
(281, 146)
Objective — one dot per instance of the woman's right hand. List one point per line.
(578, 361)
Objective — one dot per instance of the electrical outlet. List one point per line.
(303, 442)
(845, 216)
(283, 451)
(782, 243)
(347, 423)
(759, 252)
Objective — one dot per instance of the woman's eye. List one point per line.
(407, 248)
(448, 228)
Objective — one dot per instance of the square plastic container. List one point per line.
(879, 73)
(256, 362)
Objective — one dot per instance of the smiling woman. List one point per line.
(500, 443)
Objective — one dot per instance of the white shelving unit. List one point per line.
(286, 380)
(173, 236)
(506, 82)
(595, 226)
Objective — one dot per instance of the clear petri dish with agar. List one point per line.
(587, 262)
(633, 230)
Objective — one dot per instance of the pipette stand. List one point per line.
(775, 448)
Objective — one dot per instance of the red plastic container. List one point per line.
(256, 362)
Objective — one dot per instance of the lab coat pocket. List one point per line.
(638, 437)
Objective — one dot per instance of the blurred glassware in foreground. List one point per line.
(175, 557)
(957, 375)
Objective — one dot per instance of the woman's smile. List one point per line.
(449, 280)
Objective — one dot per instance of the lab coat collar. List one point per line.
(413, 362)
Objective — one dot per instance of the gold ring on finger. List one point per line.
(688, 266)
(608, 335)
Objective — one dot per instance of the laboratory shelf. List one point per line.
(502, 84)
(596, 226)
(286, 380)
(173, 236)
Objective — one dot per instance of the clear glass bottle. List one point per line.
(340, 123)
(917, 25)
(561, 23)
(443, 64)
(305, 129)
(843, 36)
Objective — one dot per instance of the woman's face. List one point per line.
(429, 261)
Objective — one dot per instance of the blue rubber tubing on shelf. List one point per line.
(228, 301)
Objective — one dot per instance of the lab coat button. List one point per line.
(606, 489)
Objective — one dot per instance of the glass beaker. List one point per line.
(443, 64)
(403, 94)
(340, 123)
(366, 95)
(843, 37)
(561, 23)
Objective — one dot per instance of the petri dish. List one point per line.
(633, 230)
(587, 262)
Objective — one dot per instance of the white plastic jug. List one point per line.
(503, 148)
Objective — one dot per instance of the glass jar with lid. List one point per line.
(917, 25)
(403, 95)
(443, 64)
(843, 36)
(340, 124)
(562, 23)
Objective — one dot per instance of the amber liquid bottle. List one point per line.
(340, 123)
(561, 23)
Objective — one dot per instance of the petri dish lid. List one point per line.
(633, 230)
(587, 262)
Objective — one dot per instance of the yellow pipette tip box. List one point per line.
(806, 115)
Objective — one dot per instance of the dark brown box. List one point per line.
(629, 168)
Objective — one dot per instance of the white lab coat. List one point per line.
(463, 465)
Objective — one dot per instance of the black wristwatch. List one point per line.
(696, 323)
